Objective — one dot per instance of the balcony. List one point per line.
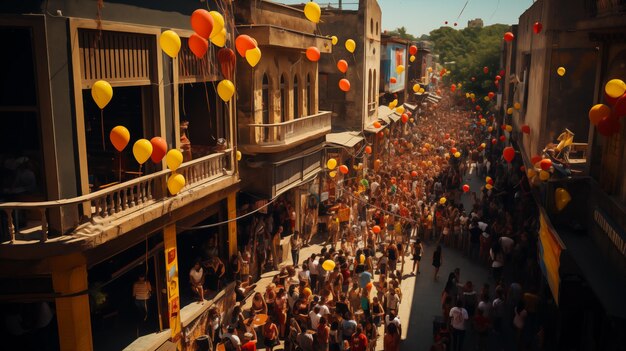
(277, 137)
(111, 212)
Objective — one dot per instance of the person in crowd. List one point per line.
(392, 338)
(270, 334)
(458, 317)
(417, 250)
(142, 290)
(196, 280)
(437, 259)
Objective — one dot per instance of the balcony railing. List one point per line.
(286, 133)
(118, 200)
(606, 7)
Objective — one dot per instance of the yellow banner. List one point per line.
(551, 256)
(171, 266)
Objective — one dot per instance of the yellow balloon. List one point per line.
(530, 173)
(488, 186)
(170, 43)
(334, 40)
(487, 98)
(509, 128)
(422, 90)
(142, 149)
(430, 69)
(174, 159)
(331, 164)
(332, 174)
(543, 175)
(253, 56)
(457, 154)
(312, 12)
(489, 129)
(560, 71)
(467, 95)
(517, 106)
(483, 145)
(399, 69)
(416, 88)
(562, 198)
(350, 45)
(328, 265)
(615, 88)
(442, 200)
(102, 93)
(412, 58)
(472, 95)
(509, 111)
(400, 110)
(393, 104)
(226, 89)
(175, 183)
(218, 23)
(483, 121)
(220, 39)
(361, 259)
(238, 155)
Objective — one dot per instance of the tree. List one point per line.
(402, 33)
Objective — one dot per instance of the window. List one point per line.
(265, 102)
(284, 116)
(309, 104)
(296, 101)
(371, 26)
(376, 27)
(369, 87)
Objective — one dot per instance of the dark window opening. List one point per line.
(284, 116)
(296, 102)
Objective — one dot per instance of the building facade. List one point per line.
(581, 247)
(81, 221)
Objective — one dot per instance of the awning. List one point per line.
(384, 118)
(410, 107)
(348, 139)
(395, 117)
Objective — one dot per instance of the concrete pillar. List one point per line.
(69, 277)
(232, 225)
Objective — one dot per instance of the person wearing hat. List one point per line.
(249, 342)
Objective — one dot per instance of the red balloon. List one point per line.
(455, 24)
(412, 49)
(342, 66)
(478, 108)
(535, 159)
(609, 126)
(405, 118)
(392, 80)
(393, 180)
(619, 108)
(610, 100)
(453, 150)
(244, 43)
(486, 69)
(537, 27)
(227, 58)
(202, 23)
(498, 78)
(466, 188)
(447, 136)
(414, 174)
(313, 53)
(381, 134)
(376, 229)
(343, 169)
(491, 94)
(545, 164)
(494, 141)
(368, 149)
(446, 22)
(526, 129)
(508, 37)
(344, 85)
(159, 149)
(502, 138)
(501, 72)
(508, 153)
(198, 45)
(453, 88)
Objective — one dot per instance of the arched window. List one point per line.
(369, 87)
(265, 105)
(375, 90)
(296, 100)
(284, 116)
(377, 28)
(371, 26)
(309, 99)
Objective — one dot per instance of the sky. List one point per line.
(421, 16)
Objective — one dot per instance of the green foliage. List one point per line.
(402, 33)
(471, 49)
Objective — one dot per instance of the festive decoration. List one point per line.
(170, 43)
(350, 45)
(312, 12)
(466, 188)
(537, 27)
(102, 93)
(244, 43)
(334, 40)
(226, 90)
(142, 149)
(545, 164)
(175, 183)
(344, 85)
(159, 148)
(173, 159)
(202, 23)
(508, 37)
(344, 169)
(328, 265)
(560, 71)
(376, 229)
(313, 54)
(331, 164)
(119, 136)
(342, 66)
(218, 24)
(561, 198)
(198, 45)
(442, 200)
(508, 153)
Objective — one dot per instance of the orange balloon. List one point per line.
(368, 149)
(392, 80)
(343, 169)
(342, 66)
(376, 124)
(244, 43)
(344, 85)
(376, 229)
(198, 45)
(119, 137)
(159, 149)
(202, 23)
(313, 54)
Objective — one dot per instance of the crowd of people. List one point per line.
(347, 296)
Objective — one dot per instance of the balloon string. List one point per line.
(119, 171)
(356, 70)
(102, 128)
(463, 9)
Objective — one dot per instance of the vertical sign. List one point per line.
(171, 267)
(549, 255)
